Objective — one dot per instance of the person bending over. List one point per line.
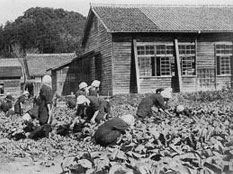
(158, 100)
(110, 131)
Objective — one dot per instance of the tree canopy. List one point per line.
(42, 30)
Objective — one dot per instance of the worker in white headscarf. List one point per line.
(82, 89)
(94, 88)
(158, 100)
(110, 131)
(46, 101)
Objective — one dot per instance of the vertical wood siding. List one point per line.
(122, 61)
(12, 86)
(100, 41)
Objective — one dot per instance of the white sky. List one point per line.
(11, 9)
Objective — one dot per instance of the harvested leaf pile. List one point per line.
(201, 144)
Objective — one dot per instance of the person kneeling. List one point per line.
(110, 131)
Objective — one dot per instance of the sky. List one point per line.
(11, 9)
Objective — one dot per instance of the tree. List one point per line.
(43, 30)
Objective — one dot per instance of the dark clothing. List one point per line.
(93, 92)
(46, 97)
(34, 112)
(93, 107)
(80, 92)
(81, 110)
(108, 132)
(40, 132)
(144, 108)
(104, 109)
(6, 106)
(159, 90)
(17, 106)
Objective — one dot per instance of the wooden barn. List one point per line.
(11, 76)
(38, 64)
(141, 48)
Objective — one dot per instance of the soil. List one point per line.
(13, 165)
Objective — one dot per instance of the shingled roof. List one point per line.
(155, 18)
(10, 67)
(39, 63)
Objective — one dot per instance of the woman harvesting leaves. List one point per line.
(110, 132)
(159, 100)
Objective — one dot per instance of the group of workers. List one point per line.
(90, 107)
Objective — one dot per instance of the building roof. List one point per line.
(39, 63)
(158, 18)
(10, 67)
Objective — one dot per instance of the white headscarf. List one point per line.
(96, 83)
(27, 117)
(47, 80)
(167, 93)
(129, 119)
(81, 99)
(82, 85)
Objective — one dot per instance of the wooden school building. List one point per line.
(140, 48)
(11, 76)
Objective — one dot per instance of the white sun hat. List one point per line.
(129, 119)
(27, 117)
(81, 99)
(25, 93)
(95, 83)
(46, 79)
(82, 85)
(167, 93)
(180, 108)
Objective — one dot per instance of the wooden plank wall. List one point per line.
(122, 58)
(12, 86)
(122, 62)
(206, 56)
(100, 41)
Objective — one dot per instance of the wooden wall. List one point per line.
(99, 65)
(123, 58)
(12, 86)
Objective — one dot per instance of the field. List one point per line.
(199, 144)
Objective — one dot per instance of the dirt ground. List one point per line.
(11, 165)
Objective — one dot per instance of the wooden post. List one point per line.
(215, 67)
(177, 57)
(136, 64)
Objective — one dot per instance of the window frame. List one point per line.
(187, 55)
(154, 56)
(222, 55)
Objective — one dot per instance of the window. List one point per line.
(1, 88)
(155, 60)
(145, 66)
(187, 59)
(223, 55)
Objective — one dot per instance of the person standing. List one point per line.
(46, 99)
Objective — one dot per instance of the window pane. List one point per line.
(187, 49)
(165, 66)
(188, 65)
(160, 49)
(144, 64)
(225, 65)
(169, 49)
(141, 50)
(149, 50)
